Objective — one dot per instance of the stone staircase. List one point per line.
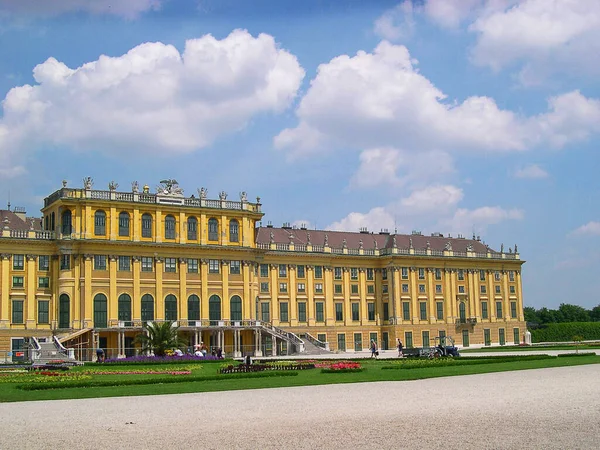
(43, 353)
(311, 349)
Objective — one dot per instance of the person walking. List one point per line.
(400, 347)
(374, 351)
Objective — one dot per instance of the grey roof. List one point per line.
(16, 223)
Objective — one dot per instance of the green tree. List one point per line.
(573, 313)
(531, 315)
(595, 314)
(160, 337)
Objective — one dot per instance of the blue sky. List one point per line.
(453, 116)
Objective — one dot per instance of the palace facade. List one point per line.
(101, 263)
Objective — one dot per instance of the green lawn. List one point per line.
(205, 375)
(518, 348)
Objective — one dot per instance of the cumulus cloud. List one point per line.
(589, 229)
(532, 171)
(128, 9)
(463, 220)
(396, 23)
(152, 99)
(375, 219)
(377, 99)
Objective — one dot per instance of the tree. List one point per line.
(595, 314)
(531, 315)
(573, 313)
(160, 337)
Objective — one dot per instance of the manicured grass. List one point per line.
(205, 379)
(518, 348)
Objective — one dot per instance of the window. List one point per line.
(421, 289)
(438, 288)
(482, 275)
(405, 310)
(64, 311)
(99, 262)
(264, 287)
(17, 311)
(319, 288)
(425, 337)
(384, 274)
(355, 312)
(322, 337)
(265, 314)
(43, 282)
(17, 282)
(65, 262)
(461, 275)
(147, 307)
(146, 226)
(43, 262)
(170, 264)
(283, 287)
(384, 289)
(484, 310)
(462, 312)
(18, 262)
(357, 342)
(264, 270)
(147, 263)
(499, 310)
(100, 311)
(439, 306)
(213, 230)
(461, 289)
(170, 227)
(370, 289)
(465, 338)
(235, 308)
(516, 336)
(408, 341)
(193, 307)
(124, 263)
(213, 266)
(100, 223)
(423, 310)
(511, 289)
(124, 308)
(404, 272)
(371, 311)
(421, 273)
(301, 311)
(354, 273)
(319, 311)
(441, 334)
(234, 231)
(487, 337)
(501, 337)
(44, 311)
(337, 288)
(282, 270)
(370, 274)
(66, 223)
(341, 338)
(405, 288)
(283, 312)
(234, 267)
(386, 311)
(192, 265)
(300, 272)
(438, 274)
(511, 275)
(354, 288)
(497, 275)
(301, 287)
(339, 312)
(337, 273)
(497, 289)
(319, 272)
(123, 224)
(192, 229)
(482, 289)
(214, 309)
(513, 310)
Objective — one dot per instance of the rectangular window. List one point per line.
(99, 262)
(319, 288)
(425, 338)
(373, 337)
(283, 312)
(337, 288)
(357, 342)
(384, 289)
(482, 289)
(322, 337)
(511, 289)
(465, 338)
(319, 311)
(301, 311)
(339, 312)
(513, 310)
(43, 311)
(337, 273)
(405, 288)
(319, 272)
(408, 341)
(423, 310)
(438, 288)
(264, 287)
(370, 275)
(421, 289)
(44, 282)
(264, 270)
(192, 265)
(386, 311)
(511, 275)
(501, 337)
(439, 306)
(147, 264)
(421, 273)
(461, 275)
(497, 289)
(65, 262)
(43, 262)
(405, 310)
(438, 274)
(300, 272)
(461, 289)
(146, 226)
(213, 266)
(484, 310)
(497, 275)
(355, 312)
(341, 342)
(371, 310)
(354, 273)
(17, 282)
(499, 310)
(18, 262)
(301, 287)
(487, 337)
(482, 275)
(404, 273)
(516, 336)
(354, 288)
(234, 267)
(282, 270)
(370, 289)
(283, 287)
(125, 263)
(442, 334)
(384, 274)
(265, 312)
(17, 311)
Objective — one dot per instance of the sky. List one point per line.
(454, 116)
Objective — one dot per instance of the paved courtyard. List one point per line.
(544, 408)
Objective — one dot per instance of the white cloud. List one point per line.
(378, 99)
(466, 220)
(532, 171)
(125, 8)
(450, 13)
(377, 218)
(396, 23)
(151, 99)
(432, 199)
(589, 229)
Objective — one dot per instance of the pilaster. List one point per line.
(30, 292)
(159, 266)
(183, 304)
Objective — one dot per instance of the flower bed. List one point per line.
(243, 368)
(343, 367)
(446, 362)
(143, 359)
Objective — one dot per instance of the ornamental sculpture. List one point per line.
(448, 246)
(202, 193)
(470, 247)
(135, 187)
(169, 187)
(113, 185)
(88, 182)
(222, 195)
(243, 196)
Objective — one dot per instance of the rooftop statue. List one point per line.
(169, 187)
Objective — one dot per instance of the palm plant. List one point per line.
(160, 337)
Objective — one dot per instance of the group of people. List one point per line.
(375, 351)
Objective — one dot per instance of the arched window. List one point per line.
(193, 307)
(214, 309)
(235, 308)
(462, 312)
(147, 307)
(192, 229)
(66, 222)
(169, 227)
(170, 307)
(53, 222)
(123, 224)
(64, 311)
(124, 308)
(100, 311)
(146, 225)
(100, 223)
(234, 231)
(213, 229)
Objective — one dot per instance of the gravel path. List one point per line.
(544, 408)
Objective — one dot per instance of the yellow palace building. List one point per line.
(101, 263)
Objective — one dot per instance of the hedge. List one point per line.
(567, 355)
(564, 332)
(446, 362)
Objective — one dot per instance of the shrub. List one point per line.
(564, 332)
(446, 362)
(143, 359)
(568, 355)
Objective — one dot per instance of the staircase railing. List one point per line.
(313, 340)
(287, 335)
(35, 349)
